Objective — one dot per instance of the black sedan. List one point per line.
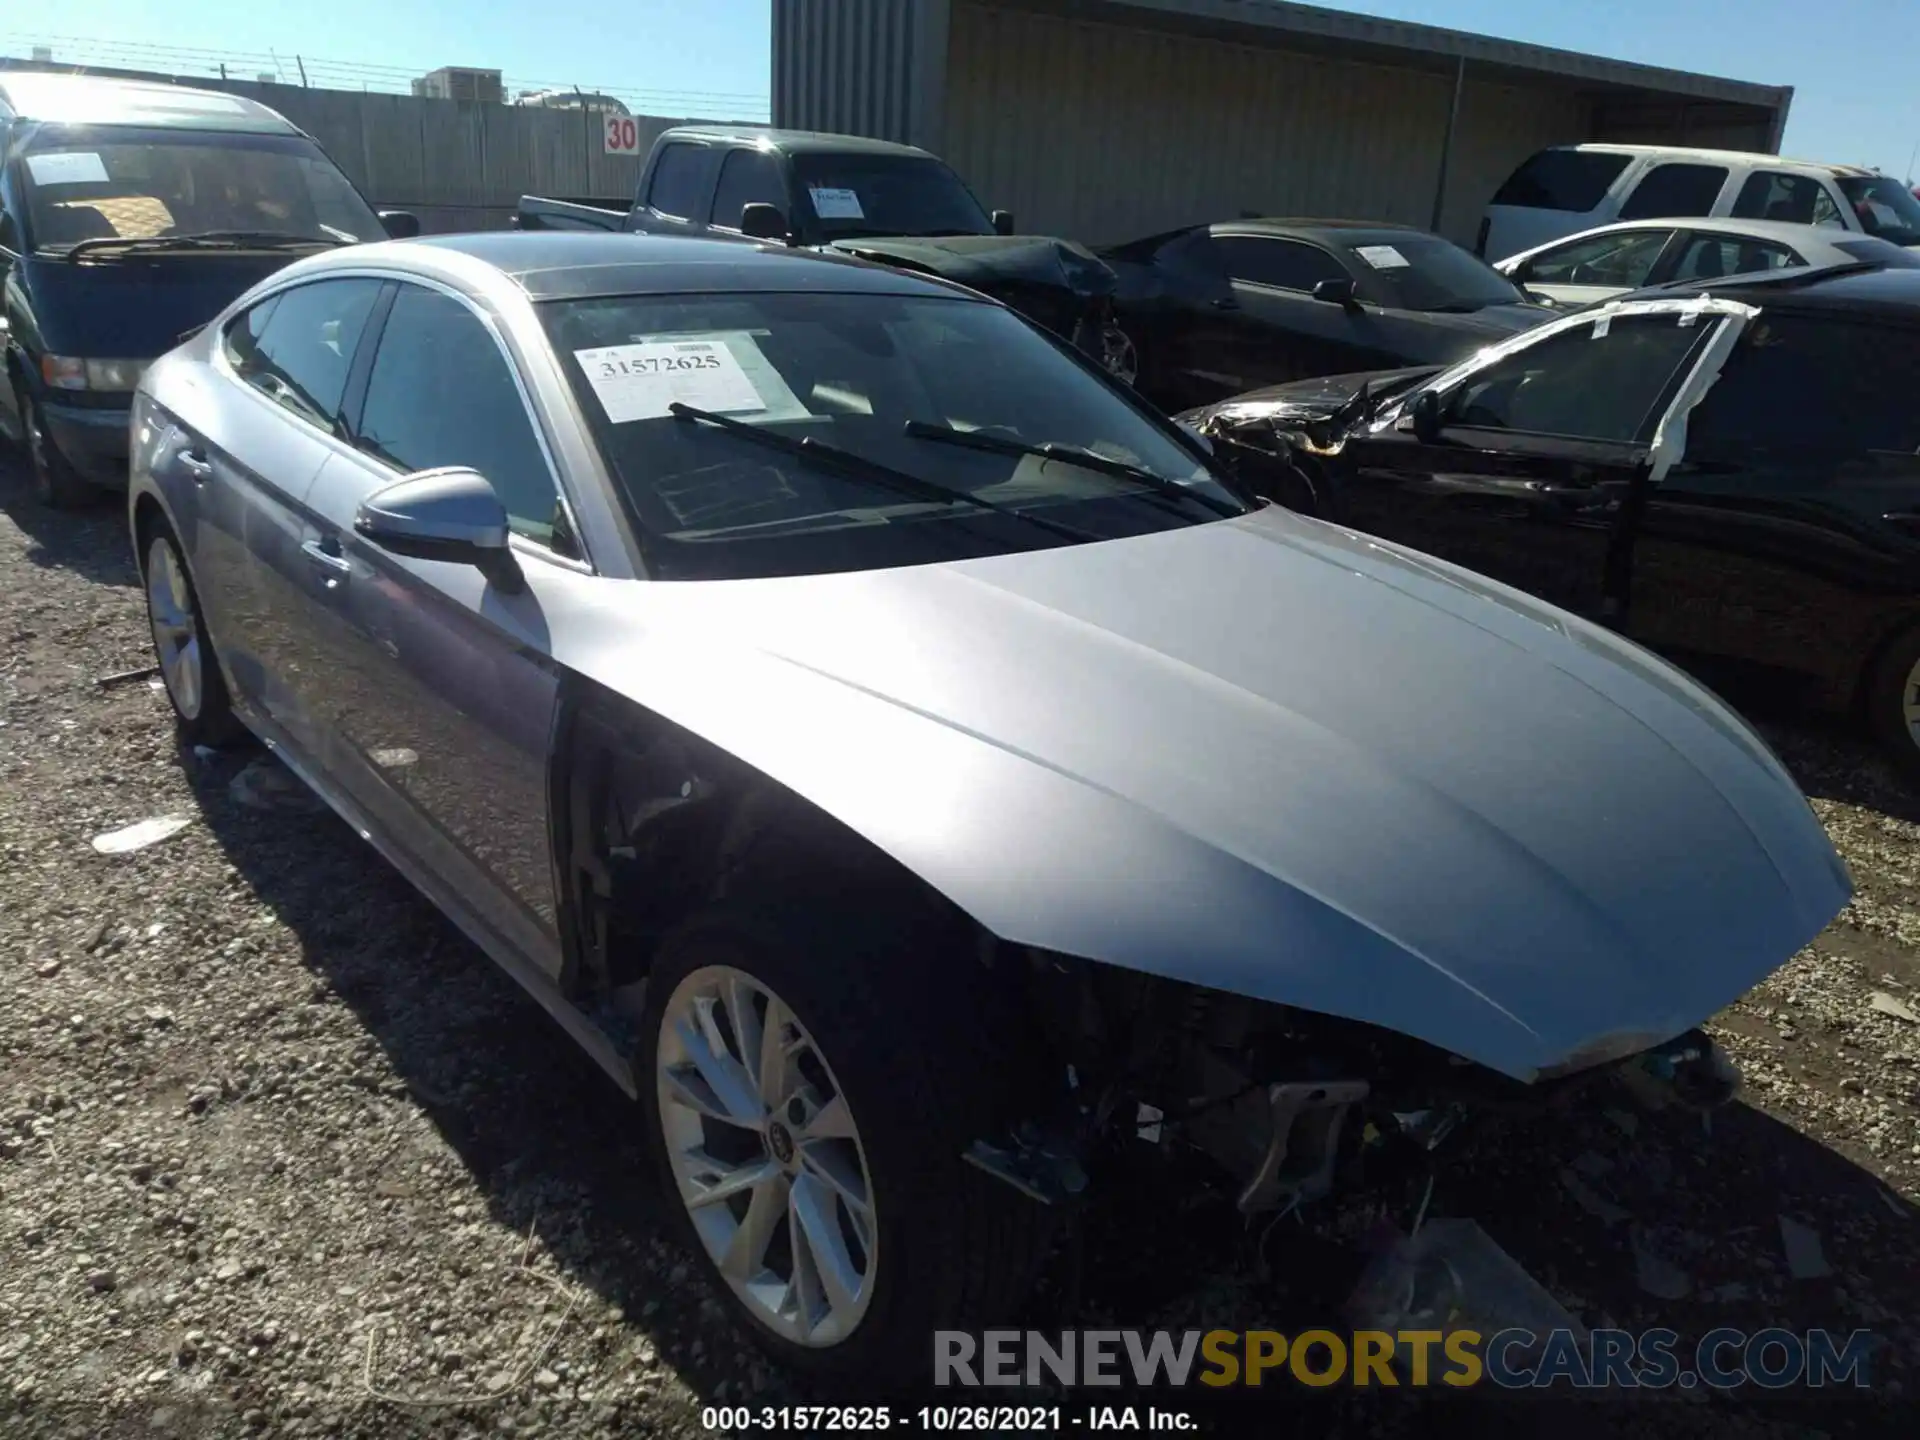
(1218, 309)
(1728, 472)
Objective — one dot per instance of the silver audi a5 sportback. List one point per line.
(898, 757)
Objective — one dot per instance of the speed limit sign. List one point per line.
(623, 135)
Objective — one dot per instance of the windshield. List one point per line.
(1424, 272)
(857, 195)
(1885, 207)
(742, 497)
(96, 183)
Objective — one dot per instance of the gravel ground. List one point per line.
(280, 1153)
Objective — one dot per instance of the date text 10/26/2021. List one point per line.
(944, 1419)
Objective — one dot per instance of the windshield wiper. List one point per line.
(1070, 455)
(205, 240)
(859, 467)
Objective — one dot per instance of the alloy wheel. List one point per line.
(1910, 703)
(766, 1156)
(176, 628)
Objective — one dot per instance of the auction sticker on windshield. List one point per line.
(1382, 257)
(642, 381)
(67, 167)
(831, 203)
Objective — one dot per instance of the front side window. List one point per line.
(440, 393)
(1883, 206)
(112, 183)
(679, 176)
(1708, 257)
(747, 177)
(1623, 261)
(297, 347)
(1675, 190)
(1796, 199)
(1281, 264)
(1800, 384)
(926, 417)
(1598, 381)
(853, 194)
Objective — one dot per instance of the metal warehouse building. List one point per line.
(1108, 119)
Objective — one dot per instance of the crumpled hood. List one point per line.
(982, 261)
(1272, 757)
(136, 309)
(1299, 401)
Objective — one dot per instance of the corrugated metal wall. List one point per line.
(1103, 132)
(860, 67)
(458, 164)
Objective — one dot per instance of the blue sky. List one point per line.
(1851, 62)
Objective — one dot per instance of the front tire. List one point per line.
(202, 709)
(56, 484)
(809, 1085)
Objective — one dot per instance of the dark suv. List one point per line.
(130, 214)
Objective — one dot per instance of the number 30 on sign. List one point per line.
(623, 135)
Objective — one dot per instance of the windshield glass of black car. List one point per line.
(849, 372)
(1424, 272)
(150, 185)
(865, 195)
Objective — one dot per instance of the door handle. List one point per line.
(333, 565)
(198, 466)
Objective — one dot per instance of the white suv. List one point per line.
(1570, 188)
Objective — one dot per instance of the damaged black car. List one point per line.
(892, 204)
(1218, 309)
(1726, 472)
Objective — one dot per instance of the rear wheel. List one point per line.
(56, 484)
(194, 685)
(809, 1090)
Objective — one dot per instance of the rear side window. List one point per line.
(1708, 257)
(747, 177)
(1283, 264)
(1797, 199)
(678, 178)
(1562, 180)
(297, 347)
(1675, 190)
(1811, 384)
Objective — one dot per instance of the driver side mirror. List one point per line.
(1425, 414)
(761, 221)
(1337, 292)
(400, 224)
(1003, 222)
(449, 514)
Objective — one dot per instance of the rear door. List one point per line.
(237, 475)
(1786, 542)
(440, 713)
(1532, 477)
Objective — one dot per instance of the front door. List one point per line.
(441, 725)
(1531, 475)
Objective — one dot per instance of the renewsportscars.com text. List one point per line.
(1515, 1359)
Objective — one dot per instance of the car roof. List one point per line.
(1338, 232)
(576, 264)
(107, 100)
(1857, 287)
(1788, 232)
(1727, 157)
(793, 142)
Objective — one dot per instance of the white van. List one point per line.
(1569, 188)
